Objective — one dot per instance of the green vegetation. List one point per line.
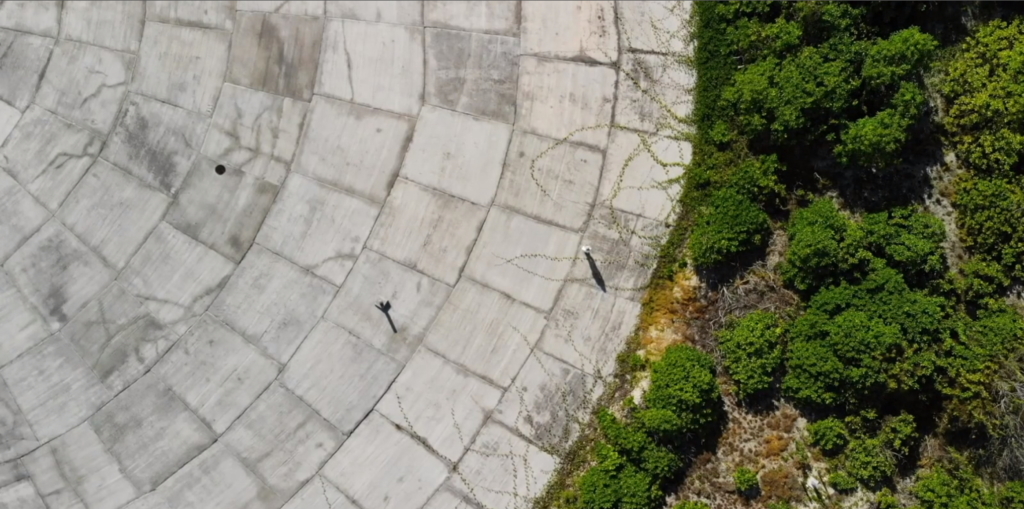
(753, 351)
(829, 435)
(746, 481)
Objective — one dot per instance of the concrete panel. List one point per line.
(379, 65)
(549, 401)
(383, 468)
(23, 58)
(319, 494)
(498, 17)
(183, 66)
(282, 440)
(457, 153)
(156, 142)
(588, 328)
(296, 7)
(448, 498)
(16, 437)
(580, 30)
(488, 333)
(325, 242)
(276, 53)
(203, 14)
(214, 480)
(655, 93)
(12, 472)
(117, 337)
(368, 161)
(20, 216)
(549, 181)
(339, 376)
(112, 212)
(85, 84)
(557, 99)
(57, 273)
(116, 25)
(503, 470)
(33, 16)
(77, 466)
(272, 302)
(54, 387)
(656, 26)
(216, 372)
(415, 301)
(522, 257)
(48, 155)
(634, 181)
(175, 277)
(439, 402)
(624, 248)
(20, 323)
(150, 432)
(401, 12)
(224, 212)
(255, 132)
(20, 495)
(9, 116)
(473, 73)
(427, 230)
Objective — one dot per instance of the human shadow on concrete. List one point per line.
(596, 272)
(385, 307)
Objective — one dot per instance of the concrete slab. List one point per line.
(624, 248)
(296, 7)
(488, 333)
(427, 230)
(112, 212)
(48, 155)
(156, 142)
(558, 99)
(381, 11)
(472, 73)
(580, 30)
(448, 498)
(117, 337)
(550, 181)
(150, 432)
(282, 440)
(499, 17)
(116, 25)
(23, 58)
(77, 466)
(503, 470)
(272, 302)
(276, 53)
(415, 298)
(319, 494)
(193, 13)
(224, 212)
(216, 372)
(175, 277)
(325, 243)
(255, 132)
(16, 437)
(522, 257)
(85, 84)
(20, 216)
(20, 323)
(213, 480)
(57, 273)
(458, 154)
(12, 472)
(654, 26)
(20, 495)
(640, 172)
(549, 401)
(655, 93)
(367, 163)
(183, 66)
(339, 376)
(379, 65)
(439, 402)
(54, 388)
(588, 328)
(9, 117)
(382, 468)
(33, 16)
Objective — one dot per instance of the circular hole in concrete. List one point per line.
(219, 169)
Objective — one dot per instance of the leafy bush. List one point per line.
(684, 396)
(752, 350)
(979, 280)
(841, 481)
(1011, 495)
(989, 215)
(829, 435)
(634, 444)
(819, 253)
(730, 225)
(746, 481)
(868, 461)
(887, 500)
(908, 241)
(614, 483)
(958, 487)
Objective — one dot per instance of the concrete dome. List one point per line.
(318, 255)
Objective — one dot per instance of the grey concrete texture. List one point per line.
(321, 255)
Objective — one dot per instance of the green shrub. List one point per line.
(819, 254)
(684, 396)
(989, 215)
(868, 461)
(887, 500)
(829, 435)
(841, 481)
(899, 434)
(746, 481)
(953, 488)
(632, 442)
(614, 483)
(729, 226)
(1011, 495)
(908, 241)
(752, 350)
(979, 280)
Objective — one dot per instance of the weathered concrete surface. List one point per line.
(276, 53)
(558, 99)
(197, 13)
(472, 73)
(183, 66)
(116, 25)
(400, 12)
(502, 468)
(33, 16)
(500, 17)
(578, 30)
(20, 215)
(85, 84)
(23, 58)
(642, 186)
